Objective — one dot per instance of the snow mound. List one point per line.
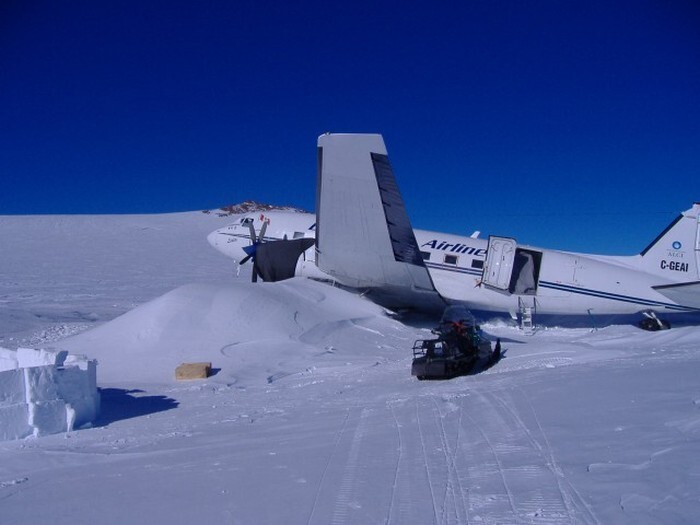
(247, 331)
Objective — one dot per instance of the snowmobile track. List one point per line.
(453, 483)
(556, 468)
(348, 484)
(499, 467)
(426, 463)
(399, 459)
(333, 453)
(526, 460)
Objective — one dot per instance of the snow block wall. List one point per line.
(45, 392)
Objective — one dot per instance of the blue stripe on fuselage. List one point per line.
(573, 289)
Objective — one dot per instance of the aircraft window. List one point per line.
(425, 255)
(298, 235)
(477, 263)
(450, 259)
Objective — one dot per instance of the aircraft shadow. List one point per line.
(118, 404)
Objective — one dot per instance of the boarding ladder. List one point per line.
(527, 306)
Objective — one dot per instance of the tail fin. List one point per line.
(675, 253)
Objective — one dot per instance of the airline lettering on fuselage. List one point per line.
(674, 265)
(456, 248)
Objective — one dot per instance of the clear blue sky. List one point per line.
(566, 124)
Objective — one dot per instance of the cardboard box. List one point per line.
(187, 371)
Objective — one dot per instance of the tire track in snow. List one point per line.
(346, 492)
(548, 503)
(526, 460)
(328, 462)
(453, 482)
(413, 483)
(426, 464)
(465, 499)
(556, 469)
(399, 459)
(499, 468)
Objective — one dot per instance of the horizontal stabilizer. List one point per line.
(686, 294)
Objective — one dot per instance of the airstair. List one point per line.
(527, 306)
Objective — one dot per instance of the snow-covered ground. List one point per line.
(312, 416)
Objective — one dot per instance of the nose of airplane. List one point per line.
(225, 241)
(213, 238)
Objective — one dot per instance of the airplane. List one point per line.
(361, 238)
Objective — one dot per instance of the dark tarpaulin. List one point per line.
(277, 260)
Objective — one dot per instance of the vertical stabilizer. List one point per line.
(675, 253)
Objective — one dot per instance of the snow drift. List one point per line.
(246, 332)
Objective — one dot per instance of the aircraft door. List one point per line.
(498, 266)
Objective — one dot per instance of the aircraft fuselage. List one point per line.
(554, 282)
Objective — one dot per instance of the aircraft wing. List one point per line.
(364, 238)
(685, 294)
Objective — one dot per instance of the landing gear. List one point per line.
(652, 323)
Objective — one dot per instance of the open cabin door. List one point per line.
(510, 269)
(498, 266)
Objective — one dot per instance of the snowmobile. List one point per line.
(459, 347)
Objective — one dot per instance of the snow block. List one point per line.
(12, 387)
(54, 396)
(40, 383)
(192, 371)
(14, 423)
(27, 357)
(78, 388)
(48, 417)
(8, 359)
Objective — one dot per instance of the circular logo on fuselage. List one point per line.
(677, 245)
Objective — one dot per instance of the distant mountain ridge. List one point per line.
(249, 206)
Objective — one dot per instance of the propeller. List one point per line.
(251, 250)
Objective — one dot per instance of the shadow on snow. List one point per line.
(118, 404)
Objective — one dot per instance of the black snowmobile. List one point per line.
(459, 347)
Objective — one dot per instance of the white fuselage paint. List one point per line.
(568, 284)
